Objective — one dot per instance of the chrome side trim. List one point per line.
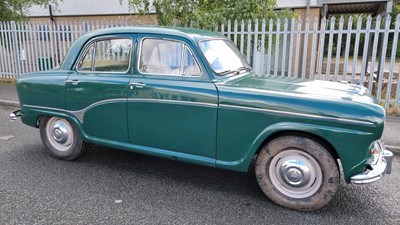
(297, 114)
(43, 107)
(81, 113)
(176, 102)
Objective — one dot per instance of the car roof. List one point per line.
(190, 33)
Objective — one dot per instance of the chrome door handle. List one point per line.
(136, 84)
(73, 82)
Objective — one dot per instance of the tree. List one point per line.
(396, 8)
(207, 13)
(16, 9)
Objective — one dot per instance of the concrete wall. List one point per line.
(83, 8)
(129, 19)
(297, 3)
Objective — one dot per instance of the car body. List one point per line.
(188, 95)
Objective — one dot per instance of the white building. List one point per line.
(105, 9)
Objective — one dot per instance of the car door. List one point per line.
(172, 103)
(97, 89)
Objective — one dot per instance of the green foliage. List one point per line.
(210, 13)
(207, 13)
(16, 9)
(364, 19)
(394, 14)
(396, 8)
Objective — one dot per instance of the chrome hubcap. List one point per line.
(295, 173)
(59, 133)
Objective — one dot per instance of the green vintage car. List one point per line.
(189, 95)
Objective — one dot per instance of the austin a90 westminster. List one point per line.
(189, 95)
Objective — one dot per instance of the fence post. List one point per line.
(392, 64)
(85, 26)
(16, 50)
(382, 59)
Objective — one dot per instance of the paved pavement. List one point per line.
(8, 95)
(391, 135)
(106, 186)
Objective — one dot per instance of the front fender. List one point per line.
(352, 146)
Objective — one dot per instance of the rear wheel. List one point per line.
(61, 138)
(297, 172)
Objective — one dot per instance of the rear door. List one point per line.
(97, 89)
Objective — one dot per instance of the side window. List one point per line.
(190, 66)
(86, 63)
(167, 57)
(107, 55)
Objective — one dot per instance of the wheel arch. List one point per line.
(319, 139)
(71, 119)
(285, 129)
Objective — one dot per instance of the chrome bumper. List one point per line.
(378, 170)
(15, 115)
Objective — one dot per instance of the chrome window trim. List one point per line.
(82, 57)
(169, 75)
(350, 121)
(94, 42)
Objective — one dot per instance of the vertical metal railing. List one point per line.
(363, 50)
(358, 50)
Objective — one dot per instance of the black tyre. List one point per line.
(61, 138)
(297, 173)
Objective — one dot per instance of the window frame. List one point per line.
(206, 61)
(181, 62)
(93, 43)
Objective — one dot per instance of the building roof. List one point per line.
(357, 7)
(106, 7)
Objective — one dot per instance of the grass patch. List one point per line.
(7, 81)
(393, 111)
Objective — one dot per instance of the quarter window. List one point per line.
(167, 57)
(111, 55)
(86, 63)
(190, 66)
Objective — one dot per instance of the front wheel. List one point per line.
(297, 172)
(61, 138)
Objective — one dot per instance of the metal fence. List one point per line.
(358, 50)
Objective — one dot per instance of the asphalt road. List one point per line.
(107, 186)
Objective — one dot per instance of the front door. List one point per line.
(97, 90)
(172, 104)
